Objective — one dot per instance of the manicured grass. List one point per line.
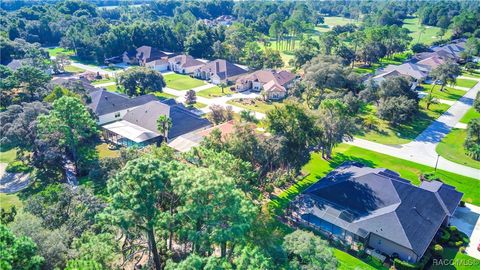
(460, 261)
(214, 92)
(349, 262)
(73, 69)
(473, 74)
(114, 88)
(451, 148)
(8, 156)
(254, 104)
(466, 83)
(317, 168)
(471, 114)
(196, 105)
(9, 200)
(384, 133)
(182, 82)
(104, 152)
(448, 93)
(163, 95)
(57, 50)
(429, 35)
(330, 22)
(104, 80)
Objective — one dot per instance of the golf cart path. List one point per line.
(422, 149)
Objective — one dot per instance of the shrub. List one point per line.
(17, 167)
(451, 244)
(429, 176)
(453, 229)
(462, 204)
(445, 236)
(458, 243)
(438, 250)
(462, 249)
(402, 265)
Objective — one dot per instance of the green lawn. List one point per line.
(163, 95)
(404, 133)
(429, 35)
(9, 200)
(448, 93)
(473, 74)
(104, 80)
(182, 82)
(215, 92)
(57, 50)
(8, 156)
(104, 152)
(254, 104)
(463, 261)
(349, 262)
(73, 69)
(330, 22)
(317, 168)
(196, 105)
(451, 148)
(471, 114)
(466, 83)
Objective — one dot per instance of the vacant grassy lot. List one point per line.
(215, 92)
(254, 104)
(73, 69)
(471, 114)
(8, 156)
(448, 93)
(317, 168)
(182, 82)
(427, 36)
(451, 148)
(57, 50)
(466, 83)
(384, 133)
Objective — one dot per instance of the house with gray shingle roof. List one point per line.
(184, 64)
(273, 84)
(219, 71)
(377, 208)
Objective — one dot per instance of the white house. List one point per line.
(184, 64)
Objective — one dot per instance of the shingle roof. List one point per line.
(409, 69)
(183, 121)
(185, 61)
(18, 63)
(431, 62)
(264, 76)
(362, 200)
(148, 54)
(222, 68)
(104, 102)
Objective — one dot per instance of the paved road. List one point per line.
(422, 149)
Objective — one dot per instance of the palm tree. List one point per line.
(430, 99)
(370, 121)
(164, 123)
(222, 85)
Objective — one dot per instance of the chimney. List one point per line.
(217, 66)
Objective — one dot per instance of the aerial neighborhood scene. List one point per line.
(249, 135)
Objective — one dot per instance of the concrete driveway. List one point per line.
(467, 220)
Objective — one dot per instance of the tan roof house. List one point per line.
(273, 84)
(184, 64)
(219, 71)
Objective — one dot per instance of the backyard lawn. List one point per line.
(463, 261)
(254, 104)
(426, 37)
(215, 92)
(73, 69)
(466, 83)
(384, 133)
(104, 152)
(448, 93)
(104, 80)
(317, 168)
(349, 262)
(471, 114)
(8, 156)
(451, 148)
(182, 82)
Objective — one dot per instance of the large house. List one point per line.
(273, 84)
(138, 127)
(109, 106)
(219, 71)
(375, 207)
(184, 64)
(149, 57)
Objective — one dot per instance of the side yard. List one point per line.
(471, 114)
(182, 82)
(451, 148)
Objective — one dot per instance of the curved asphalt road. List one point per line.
(422, 149)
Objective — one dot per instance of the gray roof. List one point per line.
(183, 121)
(18, 63)
(409, 69)
(222, 68)
(104, 102)
(185, 61)
(366, 200)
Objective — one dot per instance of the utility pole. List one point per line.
(436, 163)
